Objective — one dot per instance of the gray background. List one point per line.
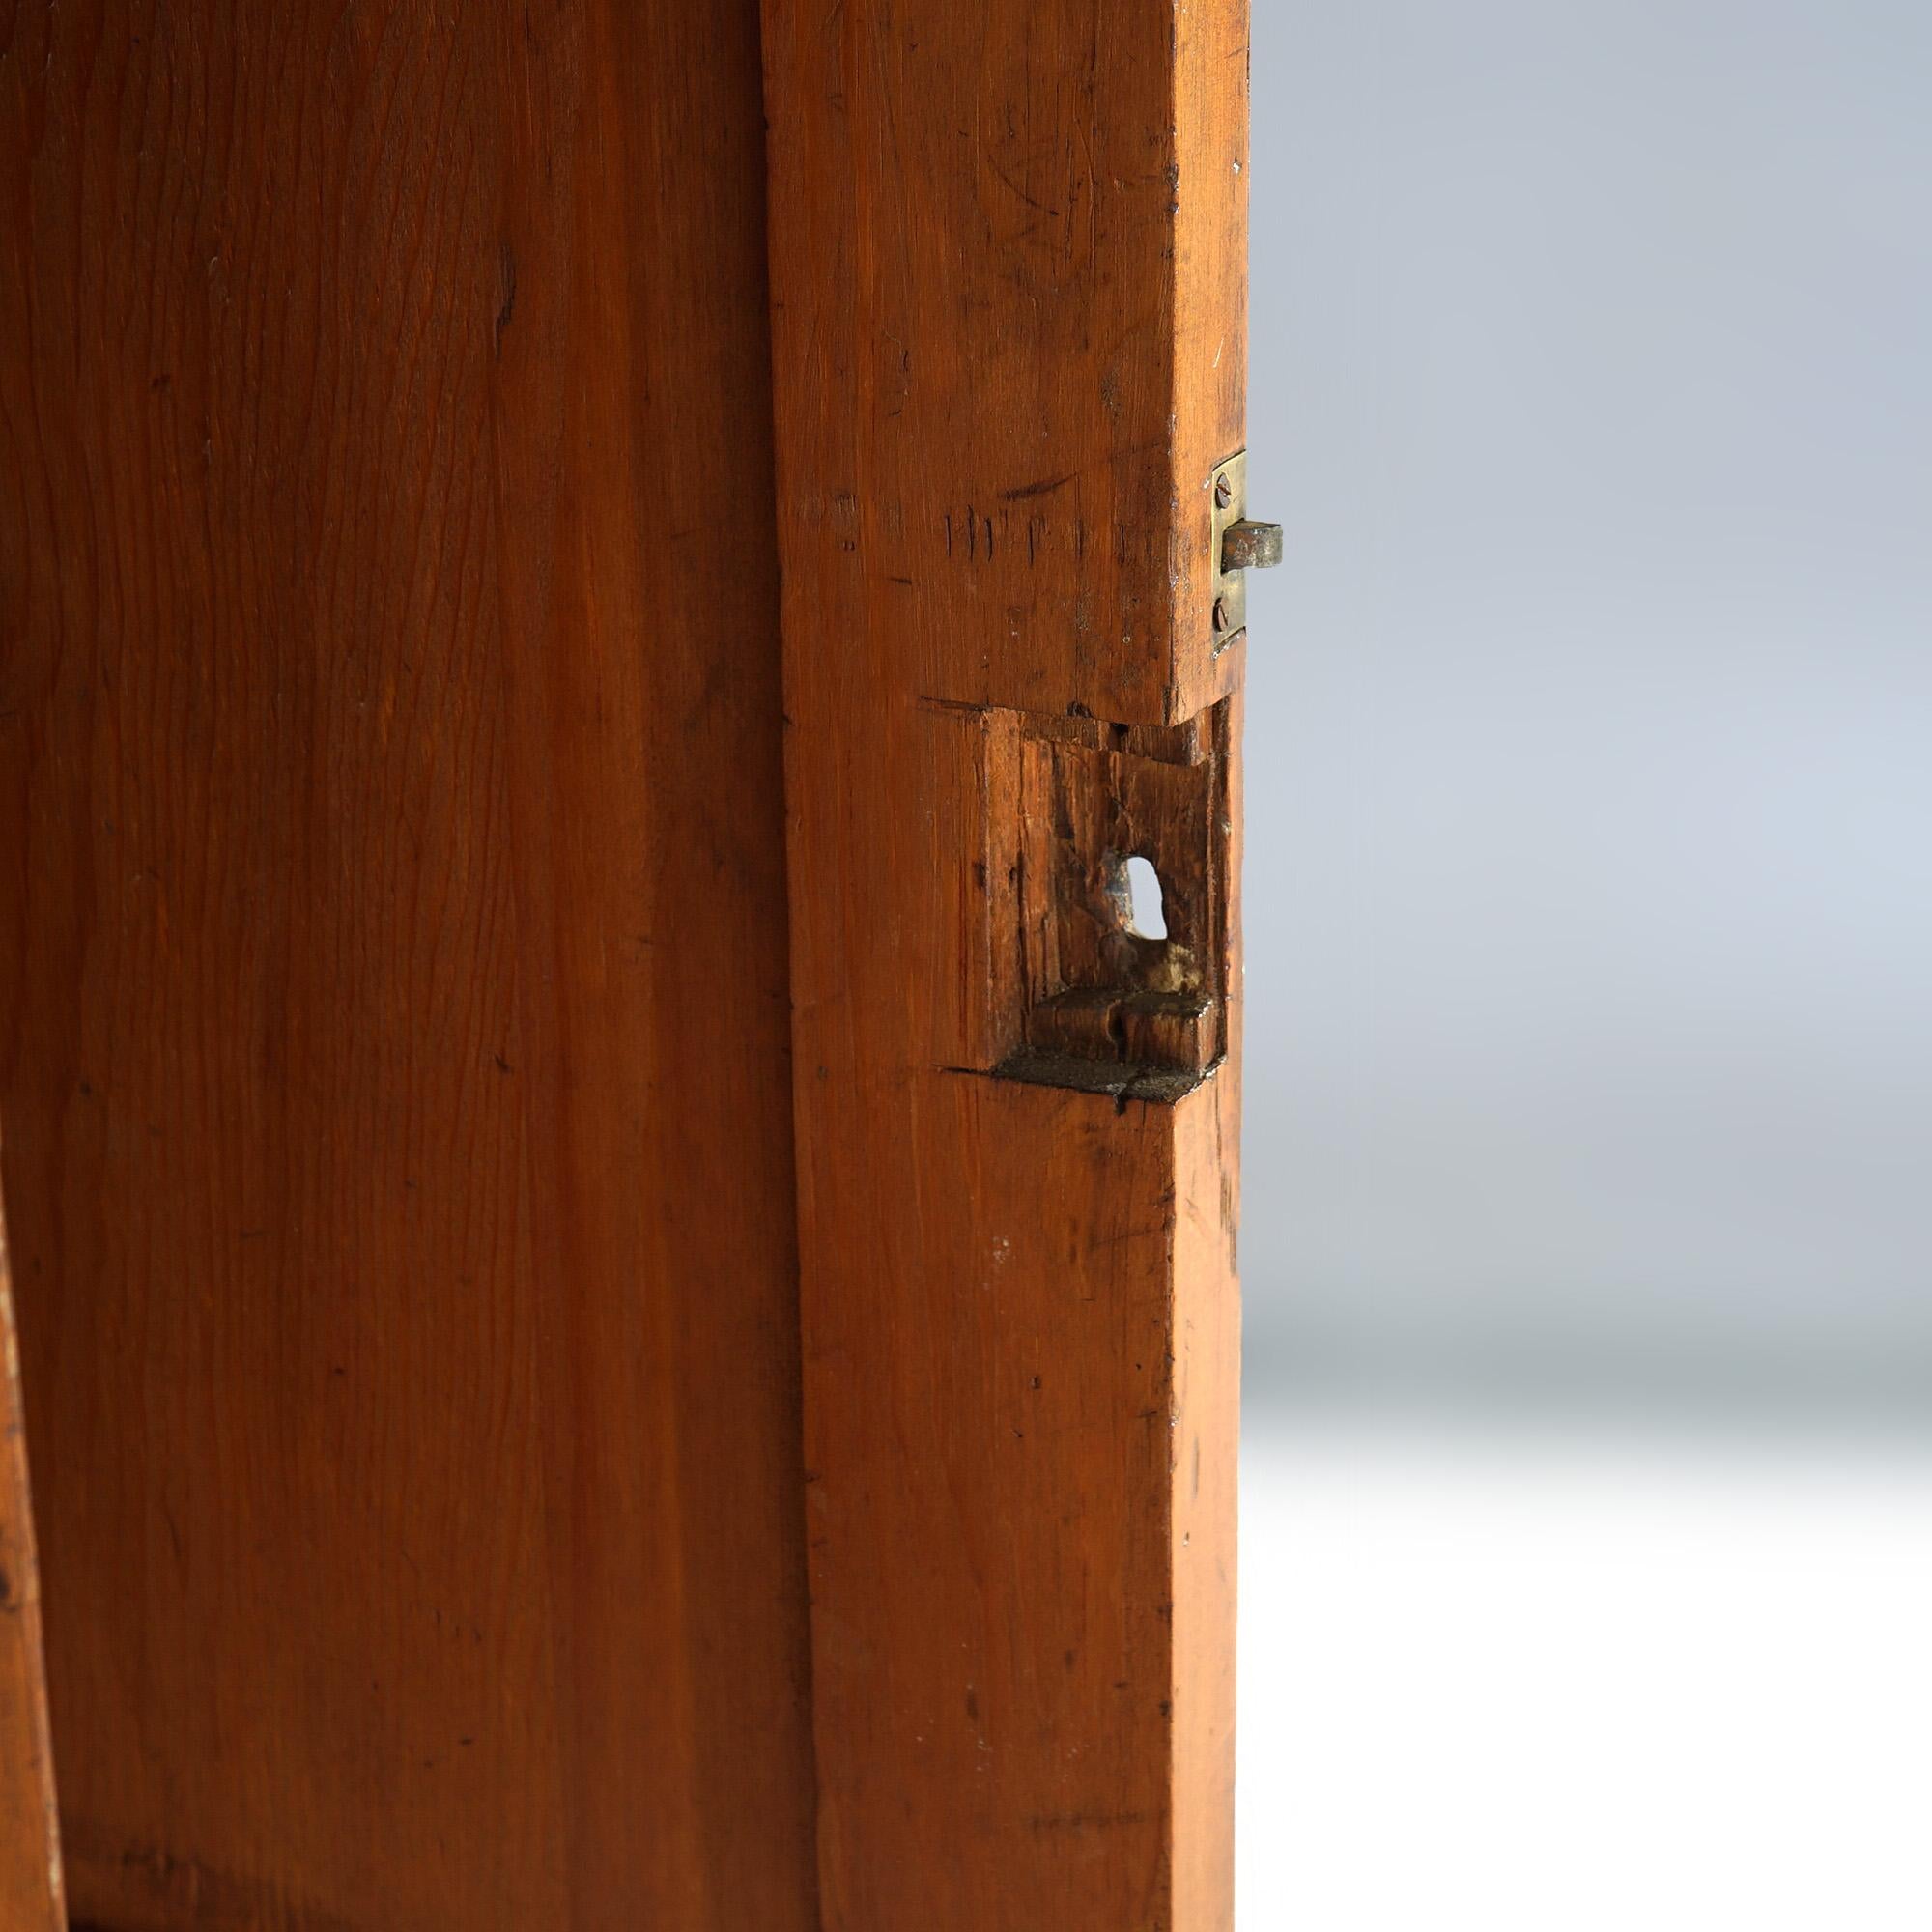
(1589, 930)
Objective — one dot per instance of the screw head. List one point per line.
(1224, 492)
(1220, 613)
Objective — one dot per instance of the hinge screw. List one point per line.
(1220, 613)
(1224, 492)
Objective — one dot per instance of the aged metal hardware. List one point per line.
(1251, 546)
(1237, 546)
(1090, 798)
(1031, 853)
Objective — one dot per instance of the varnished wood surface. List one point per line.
(1008, 257)
(1011, 256)
(393, 964)
(30, 1866)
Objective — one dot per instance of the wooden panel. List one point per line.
(392, 963)
(1008, 251)
(30, 1863)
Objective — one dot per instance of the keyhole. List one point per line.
(1147, 914)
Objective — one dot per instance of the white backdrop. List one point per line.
(1589, 884)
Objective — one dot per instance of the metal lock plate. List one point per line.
(1237, 546)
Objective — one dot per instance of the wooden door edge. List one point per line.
(32, 1889)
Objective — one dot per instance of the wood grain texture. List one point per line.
(1010, 240)
(393, 964)
(30, 1863)
(1007, 256)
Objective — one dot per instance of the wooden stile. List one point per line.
(1007, 250)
